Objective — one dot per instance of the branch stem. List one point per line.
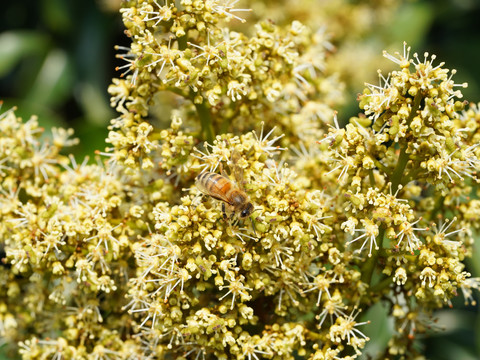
(369, 266)
(206, 122)
(398, 173)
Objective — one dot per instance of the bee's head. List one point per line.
(246, 211)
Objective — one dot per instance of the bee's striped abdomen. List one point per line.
(215, 185)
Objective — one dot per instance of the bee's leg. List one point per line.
(224, 212)
(253, 225)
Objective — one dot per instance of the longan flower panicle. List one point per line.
(430, 82)
(427, 80)
(396, 167)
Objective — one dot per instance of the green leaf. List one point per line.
(53, 80)
(379, 330)
(94, 104)
(411, 23)
(16, 45)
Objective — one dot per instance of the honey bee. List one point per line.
(231, 194)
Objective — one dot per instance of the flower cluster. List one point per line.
(64, 229)
(407, 176)
(138, 256)
(218, 75)
(203, 283)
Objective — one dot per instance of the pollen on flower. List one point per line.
(370, 233)
(236, 90)
(158, 14)
(265, 144)
(42, 161)
(225, 8)
(252, 348)
(441, 234)
(345, 162)
(130, 59)
(236, 289)
(467, 285)
(346, 328)
(164, 56)
(407, 230)
(380, 96)
(208, 52)
(332, 307)
(53, 240)
(320, 283)
(400, 277)
(403, 60)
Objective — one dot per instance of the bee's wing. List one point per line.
(218, 196)
(223, 172)
(237, 170)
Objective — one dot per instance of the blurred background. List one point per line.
(57, 59)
